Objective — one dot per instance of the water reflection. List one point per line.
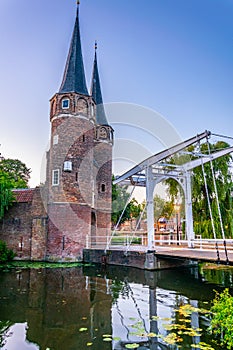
(80, 308)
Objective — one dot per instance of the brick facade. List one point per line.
(24, 227)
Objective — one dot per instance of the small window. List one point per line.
(63, 242)
(65, 103)
(55, 139)
(67, 166)
(55, 181)
(103, 188)
(16, 221)
(92, 110)
(84, 138)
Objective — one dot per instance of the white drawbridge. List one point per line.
(153, 170)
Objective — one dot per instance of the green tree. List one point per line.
(5, 253)
(6, 195)
(222, 320)
(223, 177)
(17, 171)
(162, 207)
(13, 174)
(120, 196)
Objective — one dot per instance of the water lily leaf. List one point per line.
(116, 338)
(132, 346)
(107, 339)
(155, 318)
(83, 329)
(172, 339)
(166, 319)
(202, 346)
(152, 335)
(138, 334)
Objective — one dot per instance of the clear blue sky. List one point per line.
(174, 56)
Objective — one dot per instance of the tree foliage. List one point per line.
(6, 196)
(222, 319)
(162, 207)
(18, 173)
(5, 253)
(120, 196)
(223, 177)
(13, 174)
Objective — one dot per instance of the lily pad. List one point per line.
(107, 339)
(132, 346)
(83, 329)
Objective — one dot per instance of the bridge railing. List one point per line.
(127, 240)
(120, 240)
(206, 243)
(140, 242)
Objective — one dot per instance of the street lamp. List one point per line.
(177, 209)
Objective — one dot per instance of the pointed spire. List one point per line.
(96, 93)
(74, 77)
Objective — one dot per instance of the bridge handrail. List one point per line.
(141, 241)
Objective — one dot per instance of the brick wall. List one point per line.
(24, 228)
(69, 225)
(15, 229)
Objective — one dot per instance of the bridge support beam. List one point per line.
(188, 209)
(150, 185)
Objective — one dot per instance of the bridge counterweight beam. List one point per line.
(150, 184)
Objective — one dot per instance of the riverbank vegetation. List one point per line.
(21, 265)
(222, 319)
(6, 255)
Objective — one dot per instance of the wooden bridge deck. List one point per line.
(207, 255)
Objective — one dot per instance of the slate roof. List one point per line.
(97, 95)
(74, 76)
(24, 195)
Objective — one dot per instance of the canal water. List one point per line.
(108, 308)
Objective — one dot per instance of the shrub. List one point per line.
(5, 253)
(222, 319)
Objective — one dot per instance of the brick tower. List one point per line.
(79, 161)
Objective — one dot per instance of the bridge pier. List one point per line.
(150, 185)
(141, 260)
